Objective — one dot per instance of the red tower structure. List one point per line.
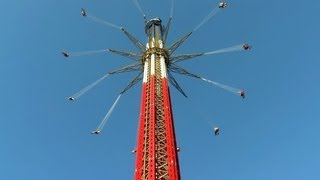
(156, 156)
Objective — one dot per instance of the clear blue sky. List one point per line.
(272, 134)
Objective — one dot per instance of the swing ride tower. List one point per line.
(156, 153)
(156, 148)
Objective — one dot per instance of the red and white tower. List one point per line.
(156, 153)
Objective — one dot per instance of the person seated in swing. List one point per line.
(216, 131)
(222, 5)
(83, 12)
(96, 132)
(65, 54)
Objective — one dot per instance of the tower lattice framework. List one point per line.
(156, 156)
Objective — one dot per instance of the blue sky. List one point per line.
(272, 134)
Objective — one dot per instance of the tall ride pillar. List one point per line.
(156, 155)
